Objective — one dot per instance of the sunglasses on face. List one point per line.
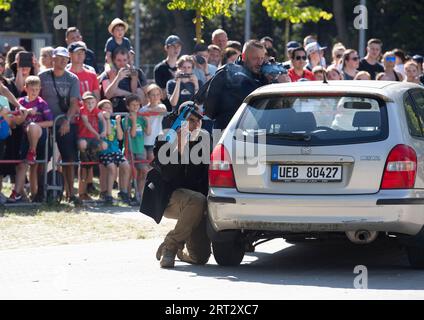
(300, 58)
(354, 58)
(391, 59)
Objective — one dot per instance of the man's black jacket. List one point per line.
(227, 91)
(164, 179)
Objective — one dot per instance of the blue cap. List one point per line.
(418, 58)
(75, 46)
(173, 39)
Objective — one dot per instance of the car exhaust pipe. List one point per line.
(362, 236)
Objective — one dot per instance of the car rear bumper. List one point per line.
(398, 211)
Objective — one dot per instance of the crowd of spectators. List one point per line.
(113, 117)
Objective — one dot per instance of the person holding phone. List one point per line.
(185, 84)
(123, 80)
(26, 65)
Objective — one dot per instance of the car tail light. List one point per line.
(400, 169)
(220, 169)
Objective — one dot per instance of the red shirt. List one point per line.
(93, 119)
(306, 74)
(88, 81)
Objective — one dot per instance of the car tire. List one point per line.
(228, 253)
(416, 256)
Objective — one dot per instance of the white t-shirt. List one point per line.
(156, 125)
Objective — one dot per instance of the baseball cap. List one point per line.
(418, 58)
(173, 39)
(313, 47)
(88, 95)
(195, 108)
(61, 51)
(75, 46)
(292, 45)
(267, 38)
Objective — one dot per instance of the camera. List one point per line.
(184, 75)
(273, 69)
(200, 59)
(133, 71)
(185, 112)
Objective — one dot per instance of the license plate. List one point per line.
(306, 173)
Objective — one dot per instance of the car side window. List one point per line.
(413, 117)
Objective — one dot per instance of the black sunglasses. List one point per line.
(300, 57)
(354, 58)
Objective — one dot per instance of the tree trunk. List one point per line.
(184, 29)
(286, 34)
(119, 8)
(43, 16)
(340, 18)
(82, 9)
(198, 27)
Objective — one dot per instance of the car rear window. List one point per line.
(315, 120)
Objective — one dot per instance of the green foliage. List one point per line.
(5, 5)
(208, 9)
(294, 11)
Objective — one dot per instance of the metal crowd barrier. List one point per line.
(44, 162)
(130, 158)
(52, 136)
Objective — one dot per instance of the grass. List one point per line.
(59, 224)
(62, 227)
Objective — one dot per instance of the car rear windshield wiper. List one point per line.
(290, 136)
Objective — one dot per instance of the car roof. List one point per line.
(387, 90)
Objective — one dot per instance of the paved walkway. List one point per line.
(128, 270)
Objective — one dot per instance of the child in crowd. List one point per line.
(136, 126)
(362, 75)
(89, 142)
(4, 134)
(111, 158)
(6, 121)
(154, 94)
(117, 29)
(37, 120)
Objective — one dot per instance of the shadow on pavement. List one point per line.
(322, 265)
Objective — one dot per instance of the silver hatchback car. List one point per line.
(315, 160)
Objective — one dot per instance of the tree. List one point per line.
(5, 5)
(340, 17)
(204, 8)
(294, 11)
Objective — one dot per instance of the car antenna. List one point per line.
(325, 77)
(323, 72)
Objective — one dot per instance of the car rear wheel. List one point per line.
(416, 256)
(228, 253)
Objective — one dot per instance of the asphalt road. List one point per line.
(277, 270)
